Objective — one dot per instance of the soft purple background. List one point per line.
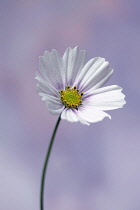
(91, 168)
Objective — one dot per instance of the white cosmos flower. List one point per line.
(71, 87)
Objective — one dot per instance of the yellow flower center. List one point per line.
(71, 97)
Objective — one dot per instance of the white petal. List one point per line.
(51, 69)
(99, 84)
(53, 103)
(55, 112)
(69, 114)
(44, 87)
(95, 72)
(49, 98)
(72, 115)
(58, 64)
(55, 108)
(106, 98)
(87, 69)
(74, 60)
(92, 115)
(106, 89)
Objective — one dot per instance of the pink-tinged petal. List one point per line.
(73, 61)
(72, 115)
(95, 73)
(51, 69)
(92, 115)
(106, 98)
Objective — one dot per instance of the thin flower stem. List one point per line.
(46, 164)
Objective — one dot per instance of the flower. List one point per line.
(71, 87)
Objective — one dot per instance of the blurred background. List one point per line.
(94, 167)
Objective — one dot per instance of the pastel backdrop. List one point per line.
(94, 167)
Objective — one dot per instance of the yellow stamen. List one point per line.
(71, 97)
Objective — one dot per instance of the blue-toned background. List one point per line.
(91, 168)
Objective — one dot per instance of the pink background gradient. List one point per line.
(91, 168)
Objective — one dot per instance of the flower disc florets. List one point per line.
(71, 97)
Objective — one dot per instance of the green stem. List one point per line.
(46, 164)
